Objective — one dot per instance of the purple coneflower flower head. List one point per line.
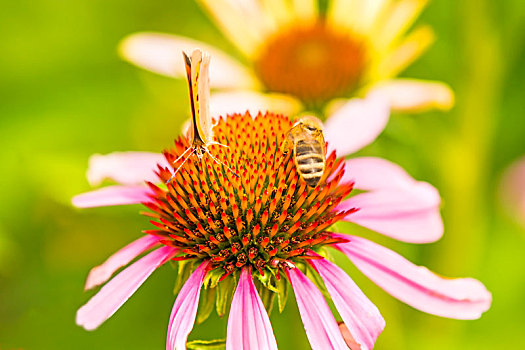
(247, 237)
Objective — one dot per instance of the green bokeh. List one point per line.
(65, 94)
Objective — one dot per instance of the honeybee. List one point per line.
(309, 148)
(200, 132)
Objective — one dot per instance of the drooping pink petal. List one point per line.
(362, 318)
(412, 95)
(347, 336)
(224, 103)
(115, 293)
(461, 298)
(162, 54)
(320, 325)
(371, 173)
(249, 326)
(126, 168)
(101, 273)
(184, 310)
(356, 124)
(409, 215)
(112, 195)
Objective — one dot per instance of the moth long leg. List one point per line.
(222, 163)
(184, 161)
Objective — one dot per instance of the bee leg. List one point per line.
(286, 144)
(185, 159)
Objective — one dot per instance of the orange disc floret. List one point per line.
(262, 217)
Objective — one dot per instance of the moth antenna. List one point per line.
(176, 160)
(222, 163)
(218, 144)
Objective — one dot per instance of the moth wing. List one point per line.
(200, 63)
(189, 126)
(204, 98)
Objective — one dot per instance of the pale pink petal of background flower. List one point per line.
(360, 315)
(512, 190)
(249, 327)
(460, 298)
(162, 54)
(371, 173)
(184, 310)
(320, 325)
(356, 124)
(124, 256)
(224, 103)
(412, 95)
(115, 293)
(112, 195)
(126, 168)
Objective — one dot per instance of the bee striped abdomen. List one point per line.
(310, 161)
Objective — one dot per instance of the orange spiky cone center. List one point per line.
(264, 217)
(315, 63)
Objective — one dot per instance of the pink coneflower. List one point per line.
(296, 56)
(265, 230)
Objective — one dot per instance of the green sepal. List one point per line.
(325, 253)
(268, 280)
(212, 278)
(206, 304)
(267, 296)
(282, 293)
(317, 280)
(225, 291)
(218, 344)
(184, 271)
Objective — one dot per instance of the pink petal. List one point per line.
(356, 124)
(512, 189)
(162, 54)
(185, 309)
(115, 293)
(409, 215)
(224, 103)
(126, 168)
(347, 336)
(320, 325)
(362, 318)
(371, 173)
(461, 298)
(112, 195)
(411, 95)
(249, 327)
(124, 256)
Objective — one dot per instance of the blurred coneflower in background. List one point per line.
(299, 57)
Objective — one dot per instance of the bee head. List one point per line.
(311, 124)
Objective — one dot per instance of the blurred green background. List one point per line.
(65, 94)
